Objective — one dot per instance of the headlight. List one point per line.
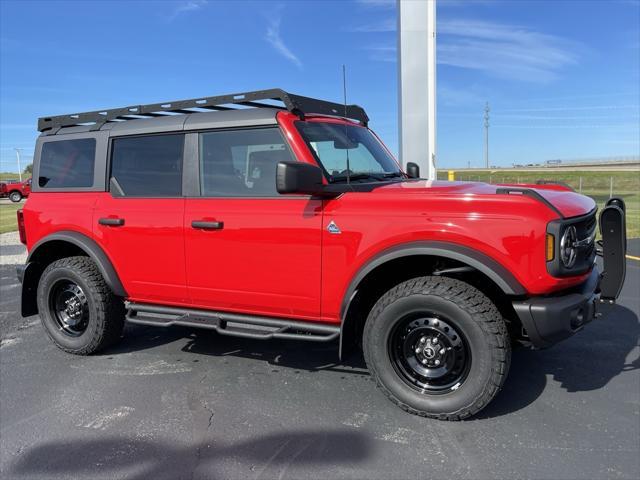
(568, 251)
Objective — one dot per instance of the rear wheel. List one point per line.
(15, 197)
(78, 310)
(437, 347)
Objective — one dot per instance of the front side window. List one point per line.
(348, 149)
(241, 163)
(67, 163)
(148, 166)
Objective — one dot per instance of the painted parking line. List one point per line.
(631, 257)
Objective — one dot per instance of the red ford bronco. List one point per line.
(15, 191)
(271, 215)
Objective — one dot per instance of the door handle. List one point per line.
(112, 222)
(205, 225)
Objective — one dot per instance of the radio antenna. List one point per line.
(344, 93)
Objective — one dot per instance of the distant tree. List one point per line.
(28, 169)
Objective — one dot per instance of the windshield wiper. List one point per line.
(355, 176)
(363, 176)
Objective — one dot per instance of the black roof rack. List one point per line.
(294, 103)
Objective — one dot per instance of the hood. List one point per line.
(566, 201)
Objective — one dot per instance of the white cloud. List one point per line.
(386, 25)
(188, 6)
(501, 50)
(382, 53)
(377, 3)
(275, 39)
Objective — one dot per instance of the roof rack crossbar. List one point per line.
(294, 103)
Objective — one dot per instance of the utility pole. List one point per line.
(19, 166)
(486, 135)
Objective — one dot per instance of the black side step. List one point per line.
(233, 324)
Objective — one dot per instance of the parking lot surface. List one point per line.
(184, 403)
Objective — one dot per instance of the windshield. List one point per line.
(335, 145)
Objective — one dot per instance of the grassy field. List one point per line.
(596, 184)
(8, 221)
(11, 176)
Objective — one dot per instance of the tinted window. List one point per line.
(241, 163)
(148, 166)
(67, 163)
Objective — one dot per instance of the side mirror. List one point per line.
(413, 170)
(298, 177)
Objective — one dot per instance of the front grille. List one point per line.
(585, 226)
(586, 229)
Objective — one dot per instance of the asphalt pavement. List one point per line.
(181, 403)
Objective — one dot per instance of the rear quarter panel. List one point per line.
(47, 213)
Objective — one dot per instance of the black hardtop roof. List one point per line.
(260, 99)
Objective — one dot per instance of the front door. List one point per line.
(249, 249)
(140, 221)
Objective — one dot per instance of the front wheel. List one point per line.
(437, 347)
(15, 197)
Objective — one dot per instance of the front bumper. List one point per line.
(549, 319)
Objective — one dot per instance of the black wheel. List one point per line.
(15, 197)
(437, 347)
(78, 310)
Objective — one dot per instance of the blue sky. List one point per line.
(562, 77)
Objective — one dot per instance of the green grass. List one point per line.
(595, 184)
(10, 176)
(8, 220)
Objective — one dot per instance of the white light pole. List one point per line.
(19, 166)
(417, 84)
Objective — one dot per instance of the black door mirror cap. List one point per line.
(413, 170)
(300, 178)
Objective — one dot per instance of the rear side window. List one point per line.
(241, 163)
(148, 166)
(67, 163)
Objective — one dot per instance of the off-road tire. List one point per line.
(15, 197)
(472, 314)
(105, 310)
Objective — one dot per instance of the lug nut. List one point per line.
(417, 350)
(434, 340)
(424, 361)
(423, 339)
(442, 351)
(437, 362)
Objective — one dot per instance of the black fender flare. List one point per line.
(33, 269)
(502, 277)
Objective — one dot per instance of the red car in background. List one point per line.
(15, 191)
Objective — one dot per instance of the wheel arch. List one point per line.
(406, 261)
(59, 245)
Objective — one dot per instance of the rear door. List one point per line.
(140, 220)
(249, 249)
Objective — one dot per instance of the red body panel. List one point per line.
(47, 213)
(148, 250)
(275, 256)
(266, 259)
